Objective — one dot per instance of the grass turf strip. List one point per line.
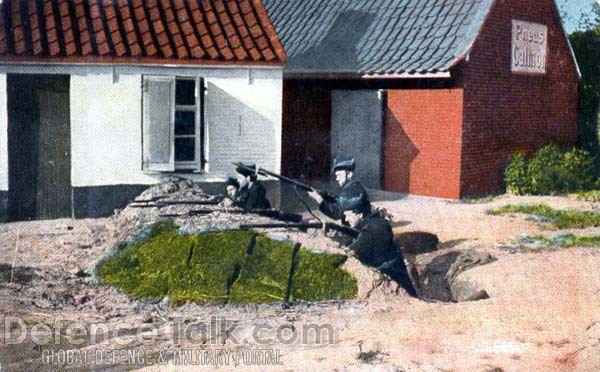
(227, 266)
(560, 218)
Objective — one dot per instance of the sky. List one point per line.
(574, 10)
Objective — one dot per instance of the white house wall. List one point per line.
(242, 117)
(3, 134)
(106, 130)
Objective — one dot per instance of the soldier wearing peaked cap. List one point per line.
(232, 186)
(375, 245)
(350, 190)
(251, 194)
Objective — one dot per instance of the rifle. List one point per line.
(271, 213)
(293, 182)
(303, 226)
(164, 203)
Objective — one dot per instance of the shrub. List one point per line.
(545, 171)
(579, 170)
(550, 171)
(516, 175)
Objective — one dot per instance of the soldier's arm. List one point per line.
(241, 199)
(362, 247)
(264, 202)
(332, 209)
(252, 201)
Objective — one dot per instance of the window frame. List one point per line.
(150, 129)
(198, 108)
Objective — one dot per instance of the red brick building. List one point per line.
(431, 97)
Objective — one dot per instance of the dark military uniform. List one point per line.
(334, 208)
(252, 196)
(375, 247)
(351, 193)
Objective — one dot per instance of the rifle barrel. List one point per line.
(188, 202)
(271, 213)
(267, 173)
(303, 226)
(294, 182)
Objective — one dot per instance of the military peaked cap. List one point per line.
(246, 169)
(343, 164)
(232, 182)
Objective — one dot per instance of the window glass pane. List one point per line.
(185, 122)
(184, 92)
(185, 149)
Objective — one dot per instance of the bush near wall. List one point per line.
(549, 171)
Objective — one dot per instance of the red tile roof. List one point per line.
(139, 31)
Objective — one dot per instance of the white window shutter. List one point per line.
(158, 124)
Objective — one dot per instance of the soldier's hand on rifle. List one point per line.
(227, 202)
(314, 194)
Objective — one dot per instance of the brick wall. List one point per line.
(506, 112)
(422, 148)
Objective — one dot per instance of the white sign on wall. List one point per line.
(529, 47)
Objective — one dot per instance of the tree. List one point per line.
(591, 20)
(586, 45)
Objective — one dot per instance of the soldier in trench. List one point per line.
(232, 187)
(375, 245)
(251, 194)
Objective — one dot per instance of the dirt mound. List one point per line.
(225, 267)
(195, 212)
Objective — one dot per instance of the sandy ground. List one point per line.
(543, 313)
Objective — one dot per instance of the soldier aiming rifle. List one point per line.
(250, 193)
(373, 239)
(350, 190)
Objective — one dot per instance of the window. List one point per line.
(172, 124)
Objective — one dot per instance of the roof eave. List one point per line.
(109, 61)
(356, 75)
(407, 75)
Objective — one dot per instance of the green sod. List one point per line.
(265, 273)
(592, 196)
(561, 218)
(227, 266)
(561, 240)
(318, 277)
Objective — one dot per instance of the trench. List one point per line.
(436, 275)
(432, 282)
